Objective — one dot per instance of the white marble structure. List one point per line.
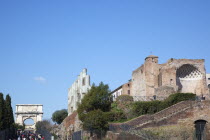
(77, 90)
(29, 111)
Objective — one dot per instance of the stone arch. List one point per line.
(189, 79)
(29, 111)
(200, 129)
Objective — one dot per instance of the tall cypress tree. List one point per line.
(2, 109)
(9, 118)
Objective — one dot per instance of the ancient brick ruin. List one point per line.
(176, 75)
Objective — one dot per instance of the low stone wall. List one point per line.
(121, 136)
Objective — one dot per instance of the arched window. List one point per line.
(200, 129)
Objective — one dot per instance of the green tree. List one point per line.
(95, 121)
(9, 118)
(59, 115)
(93, 107)
(2, 114)
(18, 126)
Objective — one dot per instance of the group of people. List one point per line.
(27, 135)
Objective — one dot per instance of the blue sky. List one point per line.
(45, 44)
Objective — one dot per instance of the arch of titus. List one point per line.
(29, 111)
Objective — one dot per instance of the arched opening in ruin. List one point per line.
(200, 129)
(188, 79)
(28, 121)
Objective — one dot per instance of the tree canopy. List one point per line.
(92, 107)
(59, 115)
(8, 112)
(95, 121)
(2, 114)
(6, 116)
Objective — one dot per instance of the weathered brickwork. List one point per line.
(124, 89)
(185, 113)
(69, 125)
(208, 80)
(176, 75)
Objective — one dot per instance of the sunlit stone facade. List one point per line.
(77, 91)
(208, 80)
(176, 75)
(29, 111)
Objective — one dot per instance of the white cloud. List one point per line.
(40, 79)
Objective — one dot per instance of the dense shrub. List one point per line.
(146, 107)
(120, 109)
(124, 108)
(151, 107)
(95, 121)
(178, 97)
(115, 116)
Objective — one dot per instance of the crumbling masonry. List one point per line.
(176, 75)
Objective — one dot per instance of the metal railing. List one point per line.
(148, 98)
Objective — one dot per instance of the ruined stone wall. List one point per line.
(164, 91)
(77, 91)
(151, 74)
(138, 82)
(168, 77)
(184, 113)
(208, 80)
(69, 125)
(126, 88)
(183, 75)
(146, 78)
